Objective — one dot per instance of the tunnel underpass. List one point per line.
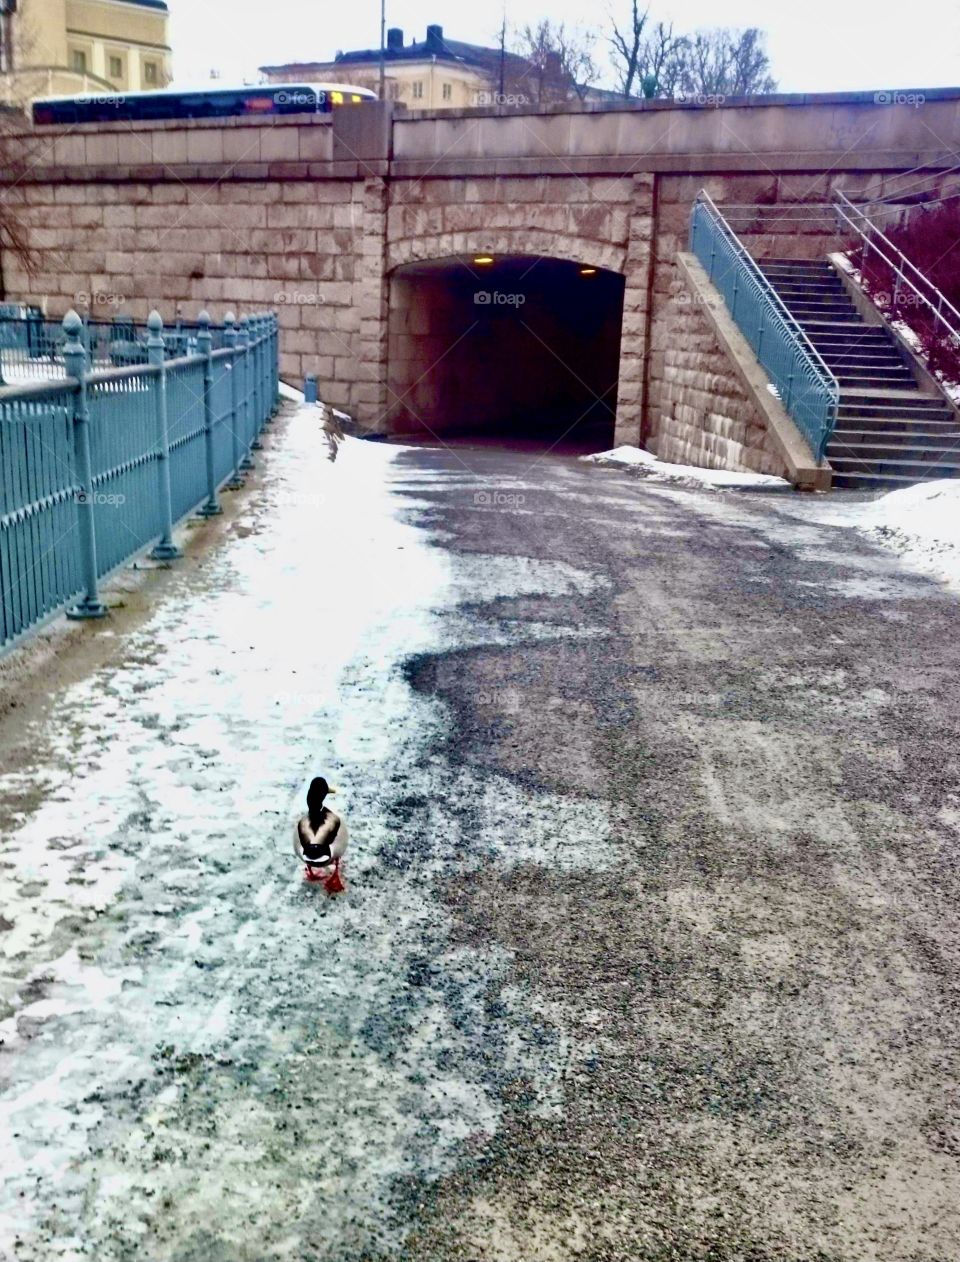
(510, 349)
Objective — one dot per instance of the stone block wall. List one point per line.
(246, 215)
(295, 246)
(700, 413)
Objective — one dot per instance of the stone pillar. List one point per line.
(637, 295)
(368, 395)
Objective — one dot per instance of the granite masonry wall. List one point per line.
(313, 220)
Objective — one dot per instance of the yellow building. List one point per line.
(430, 74)
(67, 47)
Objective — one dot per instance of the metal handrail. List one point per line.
(874, 238)
(807, 388)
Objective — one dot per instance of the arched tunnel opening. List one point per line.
(508, 349)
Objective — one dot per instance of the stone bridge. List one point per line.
(363, 231)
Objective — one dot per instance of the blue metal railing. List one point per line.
(807, 389)
(98, 466)
(31, 346)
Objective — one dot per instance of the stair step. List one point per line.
(843, 337)
(897, 427)
(815, 306)
(900, 409)
(845, 481)
(944, 440)
(831, 319)
(918, 470)
(880, 454)
(796, 265)
(872, 376)
(855, 359)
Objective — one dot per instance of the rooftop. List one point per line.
(434, 47)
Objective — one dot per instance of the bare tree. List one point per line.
(724, 62)
(653, 60)
(625, 44)
(557, 64)
(17, 154)
(660, 64)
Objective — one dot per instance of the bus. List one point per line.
(165, 103)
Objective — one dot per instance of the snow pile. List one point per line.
(921, 523)
(647, 464)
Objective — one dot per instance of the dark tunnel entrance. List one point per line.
(510, 349)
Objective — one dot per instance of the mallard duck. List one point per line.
(320, 838)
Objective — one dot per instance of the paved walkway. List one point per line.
(650, 947)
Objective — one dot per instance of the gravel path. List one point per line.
(650, 947)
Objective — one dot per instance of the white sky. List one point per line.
(815, 45)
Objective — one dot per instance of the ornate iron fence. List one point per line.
(32, 347)
(805, 385)
(99, 466)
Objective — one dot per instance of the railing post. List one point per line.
(205, 348)
(275, 361)
(243, 379)
(166, 549)
(265, 407)
(256, 384)
(788, 398)
(233, 368)
(265, 374)
(75, 362)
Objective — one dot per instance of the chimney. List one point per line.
(394, 38)
(435, 38)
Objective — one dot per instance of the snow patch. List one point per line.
(657, 470)
(920, 523)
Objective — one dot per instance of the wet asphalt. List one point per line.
(650, 950)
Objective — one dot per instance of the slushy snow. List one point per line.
(920, 523)
(649, 466)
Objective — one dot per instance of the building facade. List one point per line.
(430, 74)
(66, 47)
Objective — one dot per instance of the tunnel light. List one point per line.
(588, 271)
(483, 260)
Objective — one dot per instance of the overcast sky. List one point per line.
(815, 45)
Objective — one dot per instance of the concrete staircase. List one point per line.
(889, 432)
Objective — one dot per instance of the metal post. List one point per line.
(275, 361)
(383, 49)
(166, 549)
(243, 380)
(75, 362)
(256, 384)
(272, 362)
(205, 348)
(233, 368)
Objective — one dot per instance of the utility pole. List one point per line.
(503, 55)
(7, 9)
(383, 49)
